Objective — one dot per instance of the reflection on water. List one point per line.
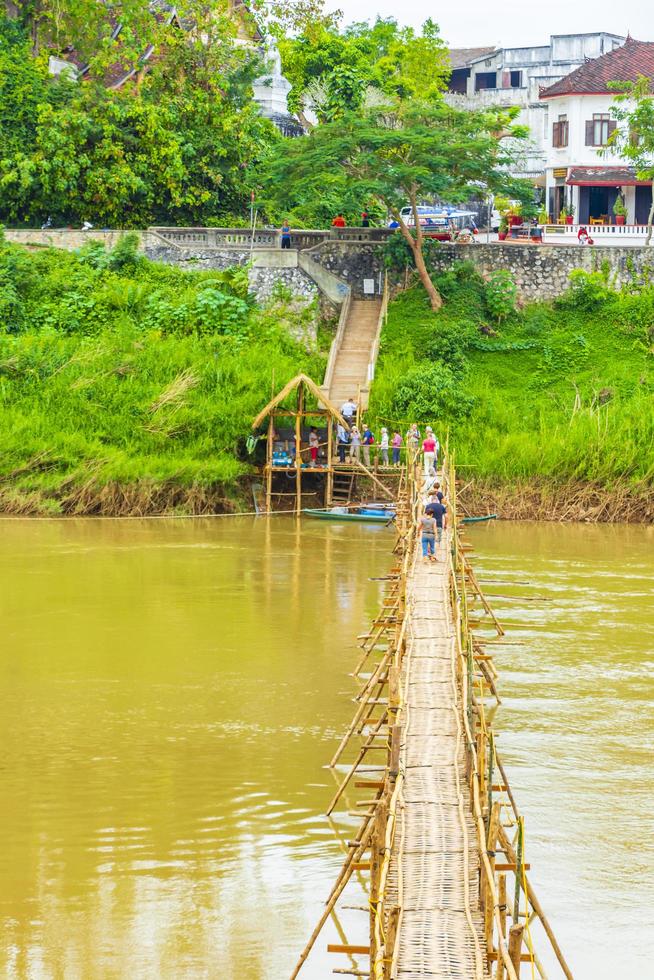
(172, 691)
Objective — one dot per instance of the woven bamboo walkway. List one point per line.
(435, 862)
(440, 835)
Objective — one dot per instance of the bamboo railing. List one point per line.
(508, 903)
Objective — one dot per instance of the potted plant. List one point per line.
(543, 217)
(504, 227)
(620, 210)
(514, 215)
(563, 216)
(569, 214)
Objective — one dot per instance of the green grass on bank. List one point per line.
(556, 391)
(126, 385)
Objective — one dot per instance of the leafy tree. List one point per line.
(397, 154)
(634, 140)
(173, 145)
(386, 59)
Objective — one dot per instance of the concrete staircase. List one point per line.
(350, 370)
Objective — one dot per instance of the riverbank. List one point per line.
(128, 388)
(553, 397)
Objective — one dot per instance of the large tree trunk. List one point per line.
(415, 245)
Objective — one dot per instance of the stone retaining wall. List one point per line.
(543, 271)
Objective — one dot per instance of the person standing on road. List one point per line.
(286, 234)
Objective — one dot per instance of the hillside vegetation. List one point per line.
(129, 387)
(536, 400)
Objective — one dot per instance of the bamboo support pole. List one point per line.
(344, 877)
(515, 946)
(298, 450)
(383, 664)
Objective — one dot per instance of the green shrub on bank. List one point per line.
(564, 390)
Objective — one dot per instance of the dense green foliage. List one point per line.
(171, 146)
(119, 373)
(562, 391)
(337, 70)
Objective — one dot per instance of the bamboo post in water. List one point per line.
(269, 459)
(330, 463)
(298, 449)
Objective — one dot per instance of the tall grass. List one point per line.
(112, 414)
(562, 392)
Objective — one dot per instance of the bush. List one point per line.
(501, 295)
(432, 392)
(588, 291)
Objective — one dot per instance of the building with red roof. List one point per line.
(583, 172)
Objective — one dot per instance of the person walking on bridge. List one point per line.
(286, 234)
(429, 452)
(427, 526)
(339, 221)
(438, 511)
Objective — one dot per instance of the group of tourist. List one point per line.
(357, 442)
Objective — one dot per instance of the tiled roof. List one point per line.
(623, 64)
(462, 57)
(604, 176)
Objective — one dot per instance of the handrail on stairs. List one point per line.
(374, 351)
(336, 344)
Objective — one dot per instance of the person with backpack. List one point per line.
(368, 440)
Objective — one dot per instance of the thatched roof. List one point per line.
(292, 385)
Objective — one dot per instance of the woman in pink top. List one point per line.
(397, 445)
(429, 452)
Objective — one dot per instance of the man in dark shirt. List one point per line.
(438, 511)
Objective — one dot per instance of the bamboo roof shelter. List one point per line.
(301, 386)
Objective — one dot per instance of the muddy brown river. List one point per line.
(171, 691)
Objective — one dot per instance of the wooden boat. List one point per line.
(370, 513)
(475, 520)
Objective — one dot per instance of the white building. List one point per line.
(484, 77)
(580, 170)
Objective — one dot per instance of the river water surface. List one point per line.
(171, 691)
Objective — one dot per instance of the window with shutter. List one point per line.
(590, 130)
(560, 132)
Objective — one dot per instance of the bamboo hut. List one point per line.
(297, 391)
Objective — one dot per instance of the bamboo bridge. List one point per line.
(441, 842)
